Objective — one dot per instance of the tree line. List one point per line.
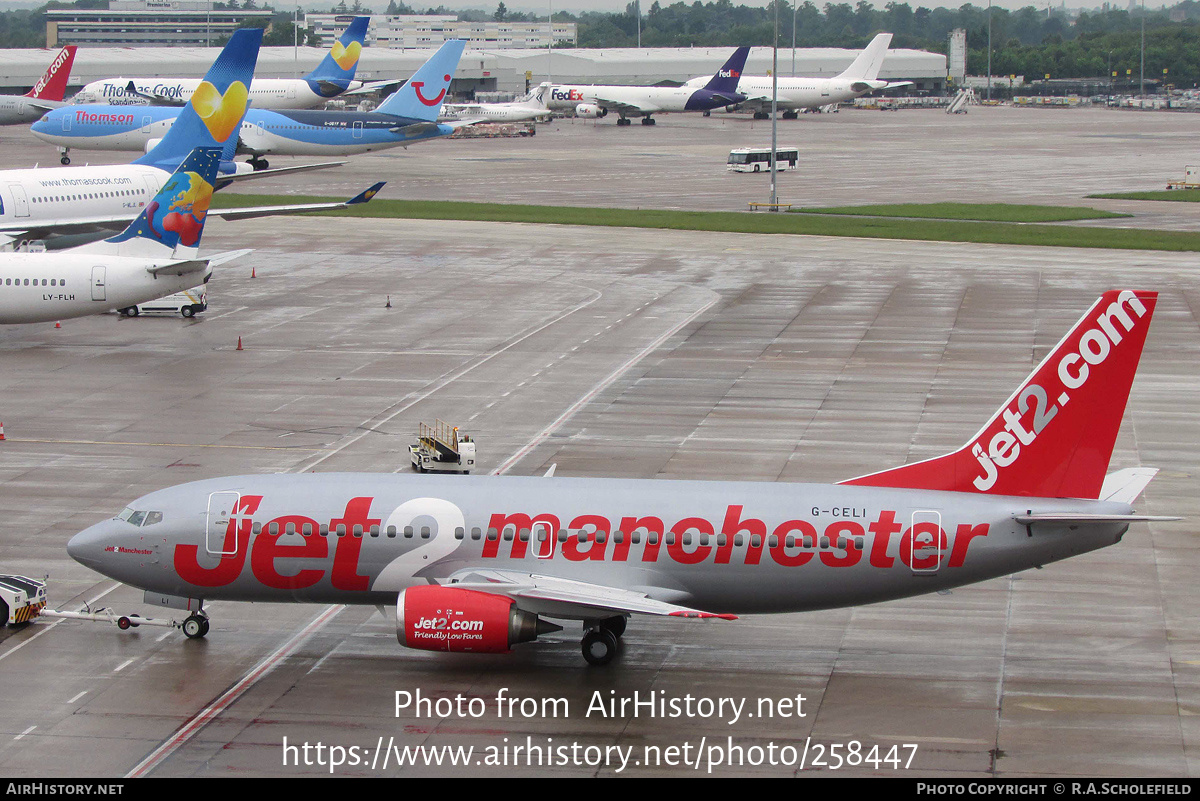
(1029, 41)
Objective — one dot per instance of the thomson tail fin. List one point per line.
(333, 75)
(421, 97)
(213, 116)
(171, 224)
(1054, 436)
(866, 66)
(726, 79)
(53, 85)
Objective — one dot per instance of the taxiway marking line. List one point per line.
(226, 699)
(596, 390)
(161, 444)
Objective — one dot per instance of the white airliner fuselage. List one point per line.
(275, 93)
(43, 287)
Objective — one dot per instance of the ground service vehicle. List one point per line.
(441, 448)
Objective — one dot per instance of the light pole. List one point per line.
(774, 118)
(1142, 79)
(795, 8)
(989, 67)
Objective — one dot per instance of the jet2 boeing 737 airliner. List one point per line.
(474, 563)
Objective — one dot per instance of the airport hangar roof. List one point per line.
(22, 68)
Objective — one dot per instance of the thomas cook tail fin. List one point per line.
(333, 75)
(1054, 437)
(53, 84)
(170, 225)
(213, 115)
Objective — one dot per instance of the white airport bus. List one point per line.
(758, 159)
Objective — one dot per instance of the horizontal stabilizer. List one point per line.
(1086, 519)
(178, 267)
(1124, 486)
(229, 255)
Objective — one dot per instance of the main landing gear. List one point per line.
(647, 120)
(601, 638)
(259, 163)
(195, 626)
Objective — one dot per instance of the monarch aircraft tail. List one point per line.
(1054, 437)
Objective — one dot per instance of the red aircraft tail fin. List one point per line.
(53, 85)
(1054, 437)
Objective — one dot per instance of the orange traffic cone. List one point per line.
(239, 347)
(1, 432)
(252, 275)
(58, 325)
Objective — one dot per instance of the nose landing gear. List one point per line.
(195, 626)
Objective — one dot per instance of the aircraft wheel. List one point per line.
(65, 160)
(599, 647)
(195, 627)
(615, 625)
(647, 120)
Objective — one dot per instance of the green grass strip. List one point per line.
(1177, 195)
(990, 212)
(755, 223)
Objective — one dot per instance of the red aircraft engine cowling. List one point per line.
(437, 618)
(590, 110)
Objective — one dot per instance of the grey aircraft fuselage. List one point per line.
(725, 547)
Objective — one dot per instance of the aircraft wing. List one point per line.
(225, 180)
(251, 212)
(374, 86)
(557, 597)
(624, 107)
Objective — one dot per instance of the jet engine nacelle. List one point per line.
(590, 110)
(436, 618)
(152, 143)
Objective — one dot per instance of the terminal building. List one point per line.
(147, 23)
(481, 70)
(408, 31)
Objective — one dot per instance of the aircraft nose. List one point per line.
(88, 546)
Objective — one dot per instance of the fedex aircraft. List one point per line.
(644, 101)
(40, 202)
(406, 117)
(477, 563)
(793, 94)
(332, 77)
(155, 256)
(45, 95)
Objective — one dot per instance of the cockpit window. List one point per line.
(135, 517)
